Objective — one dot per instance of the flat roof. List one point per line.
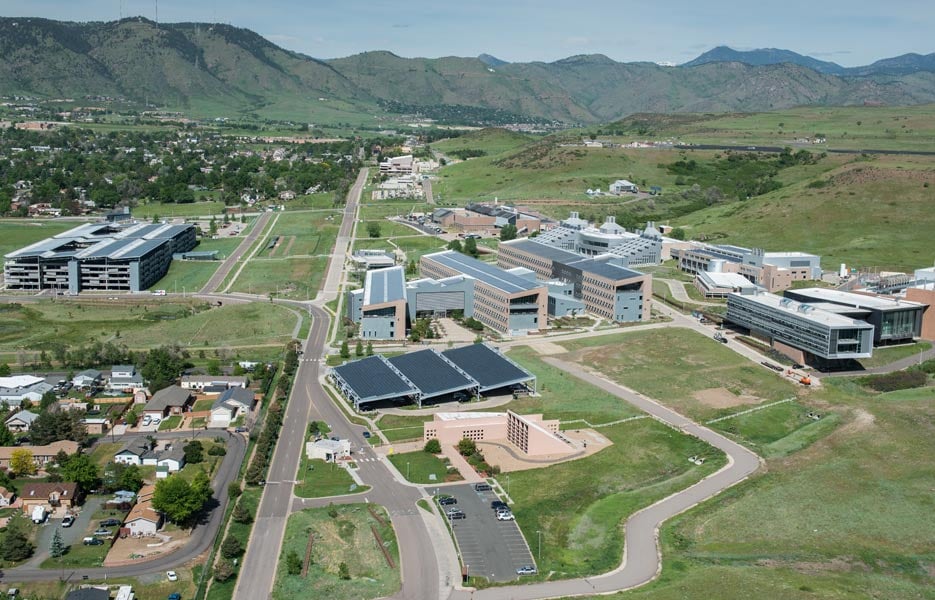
(802, 310)
(489, 274)
(102, 240)
(731, 280)
(385, 285)
(855, 300)
(605, 269)
(544, 250)
(487, 366)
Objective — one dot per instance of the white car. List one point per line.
(504, 516)
(172, 576)
(147, 421)
(157, 421)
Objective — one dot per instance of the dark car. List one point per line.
(89, 541)
(499, 505)
(482, 487)
(111, 522)
(366, 433)
(447, 500)
(457, 515)
(175, 596)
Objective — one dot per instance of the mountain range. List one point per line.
(221, 70)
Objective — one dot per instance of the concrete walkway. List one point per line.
(681, 294)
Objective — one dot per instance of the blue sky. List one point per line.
(849, 32)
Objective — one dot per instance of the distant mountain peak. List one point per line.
(590, 59)
(492, 61)
(765, 56)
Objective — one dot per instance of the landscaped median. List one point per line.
(420, 466)
(338, 552)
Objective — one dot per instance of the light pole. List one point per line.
(539, 535)
(407, 470)
(507, 484)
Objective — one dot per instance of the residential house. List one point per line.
(622, 185)
(136, 452)
(231, 404)
(87, 379)
(6, 497)
(173, 459)
(89, 593)
(143, 519)
(15, 389)
(199, 382)
(123, 378)
(42, 455)
(172, 400)
(63, 494)
(21, 421)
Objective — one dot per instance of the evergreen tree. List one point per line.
(345, 350)
(369, 349)
(470, 247)
(57, 547)
(359, 349)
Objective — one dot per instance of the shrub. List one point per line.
(233, 490)
(898, 380)
(433, 447)
(231, 548)
(293, 563)
(466, 447)
(241, 515)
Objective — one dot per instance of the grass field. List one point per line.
(414, 246)
(345, 538)
(397, 428)
(297, 278)
(564, 397)
(318, 479)
(884, 356)
(579, 506)
(195, 209)
(314, 234)
(490, 140)
(143, 324)
(170, 423)
(314, 201)
(807, 515)
(388, 229)
(418, 467)
(17, 233)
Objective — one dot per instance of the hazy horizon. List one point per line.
(850, 33)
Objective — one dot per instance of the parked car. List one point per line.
(92, 541)
(111, 522)
(447, 500)
(68, 521)
(499, 505)
(366, 434)
(147, 420)
(157, 421)
(527, 570)
(241, 429)
(107, 532)
(457, 515)
(172, 576)
(175, 596)
(482, 487)
(505, 516)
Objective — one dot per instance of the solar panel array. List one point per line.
(428, 373)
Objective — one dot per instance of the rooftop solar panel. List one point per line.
(385, 285)
(489, 274)
(431, 373)
(487, 366)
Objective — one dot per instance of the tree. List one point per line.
(194, 453)
(132, 417)
(4, 370)
(433, 446)
(677, 234)
(508, 232)
(231, 547)
(6, 436)
(470, 247)
(129, 478)
(345, 350)
(369, 350)
(16, 546)
(82, 470)
(179, 500)
(233, 490)
(48, 399)
(52, 426)
(223, 570)
(373, 229)
(22, 462)
(456, 246)
(293, 563)
(241, 514)
(359, 349)
(57, 547)
(466, 447)
(343, 571)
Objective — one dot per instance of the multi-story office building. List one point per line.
(893, 320)
(801, 330)
(99, 256)
(631, 249)
(380, 307)
(502, 301)
(607, 289)
(774, 271)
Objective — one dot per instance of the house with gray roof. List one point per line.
(230, 405)
(21, 421)
(172, 400)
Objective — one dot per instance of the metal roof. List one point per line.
(385, 285)
(371, 379)
(487, 366)
(875, 303)
(544, 250)
(432, 373)
(605, 269)
(489, 274)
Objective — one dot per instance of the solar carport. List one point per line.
(426, 374)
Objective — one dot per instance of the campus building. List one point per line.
(531, 434)
(99, 256)
(578, 236)
(798, 330)
(605, 288)
(773, 271)
(505, 302)
(440, 297)
(380, 307)
(893, 320)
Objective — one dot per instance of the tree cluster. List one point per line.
(182, 502)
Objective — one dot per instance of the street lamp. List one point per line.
(407, 470)
(507, 484)
(539, 535)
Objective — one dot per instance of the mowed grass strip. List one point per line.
(296, 278)
(341, 535)
(318, 479)
(399, 428)
(418, 467)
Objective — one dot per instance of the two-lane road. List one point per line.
(221, 274)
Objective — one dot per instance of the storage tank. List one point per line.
(716, 265)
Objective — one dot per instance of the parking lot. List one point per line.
(489, 548)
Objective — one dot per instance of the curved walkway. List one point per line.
(642, 559)
(681, 294)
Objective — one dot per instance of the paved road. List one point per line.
(427, 188)
(642, 559)
(679, 293)
(202, 537)
(221, 274)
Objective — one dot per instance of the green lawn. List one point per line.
(418, 466)
(318, 479)
(884, 356)
(249, 499)
(387, 229)
(104, 452)
(580, 505)
(195, 209)
(314, 201)
(490, 140)
(297, 278)
(202, 405)
(170, 423)
(187, 276)
(345, 538)
(313, 234)
(413, 246)
(398, 428)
